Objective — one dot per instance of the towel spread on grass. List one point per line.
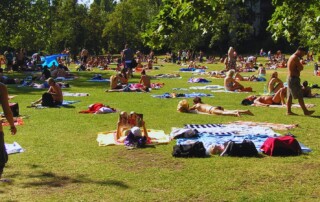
(75, 94)
(182, 95)
(227, 91)
(99, 80)
(98, 108)
(18, 121)
(156, 137)
(166, 76)
(275, 126)
(198, 80)
(217, 134)
(13, 148)
(207, 87)
(64, 103)
(64, 78)
(186, 69)
(284, 106)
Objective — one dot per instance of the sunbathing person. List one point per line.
(183, 106)
(52, 97)
(145, 81)
(231, 84)
(126, 123)
(274, 83)
(115, 82)
(267, 100)
(306, 90)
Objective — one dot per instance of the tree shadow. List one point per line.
(49, 179)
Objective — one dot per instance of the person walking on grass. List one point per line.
(294, 87)
(8, 114)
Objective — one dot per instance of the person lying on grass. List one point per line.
(231, 84)
(199, 106)
(277, 99)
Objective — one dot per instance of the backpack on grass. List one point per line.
(243, 149)
(281, 146)
(191, 150)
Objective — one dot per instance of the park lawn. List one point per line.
(63, 162)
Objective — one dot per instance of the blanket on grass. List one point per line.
(182, 95)
(284, 106)
(99, 80)
(64, 104)
(198, 80)
(207, 87)
(186, 69)
(275, 126)
(217, 134)
(166, 76)
(227, 91)
(14, 148)
(68, 94)
(156, 137)
(98, 108)
(18, 121)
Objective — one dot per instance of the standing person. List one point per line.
(9, 60)
(8, 114)
(231, 62)
(84, 56)
(294, 86)
(128, 57)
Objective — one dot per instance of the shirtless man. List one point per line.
(205, 108)
(8, 114)
(266, 101)
(55, 91)
(145, 80)
(231, 84)
(294, 86)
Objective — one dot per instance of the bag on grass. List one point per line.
(191, 150)
(47, 100)
(281, 146)
(244, 149)
(14, 108)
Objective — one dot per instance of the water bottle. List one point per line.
(265, 89)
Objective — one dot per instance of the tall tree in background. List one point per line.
(225, 23)
(297, 21)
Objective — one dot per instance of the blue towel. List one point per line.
(183, 95)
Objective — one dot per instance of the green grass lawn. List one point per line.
(63, 162)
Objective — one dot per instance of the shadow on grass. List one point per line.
(49, 179)
(317, 117)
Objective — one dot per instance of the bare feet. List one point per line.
(308, 113)
(237, 114)
(291, 114)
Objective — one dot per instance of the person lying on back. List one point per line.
(277, 99)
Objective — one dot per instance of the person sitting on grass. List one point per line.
(199, 106)
(231, 84)
(267, 100)
(115, 82)
(306, 90)
(274, 83)
(145, 81)
(128, 130)
(52, 97)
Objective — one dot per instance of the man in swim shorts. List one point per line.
(294, 86)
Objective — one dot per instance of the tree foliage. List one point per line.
(297, 21)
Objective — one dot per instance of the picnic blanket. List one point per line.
(18, 121)
(186, 69)
(64, 104)
(198, 80)
(218, 134)
(284, 106)
(182, 95)
(64, 78)
(207, 87)
(98, 108)
(156, 137)
(68, 94)
(99, 80)
(14, 148)
(275, 126)
(167, 76)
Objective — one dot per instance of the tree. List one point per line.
(297, 21)
(225, 23)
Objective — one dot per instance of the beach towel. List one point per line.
(98, 108)
(166, 76)
(218, 134)
(227, 91)
(68, 94)
(275, 126)
(18, 121)
(198, 80)
(207, 87)
(285, 106)
(182, 95)
(64, 79)
(69, 102)
(99, 80)
(186, 69)
(155, 136)
(14, 148)
(65, 103)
